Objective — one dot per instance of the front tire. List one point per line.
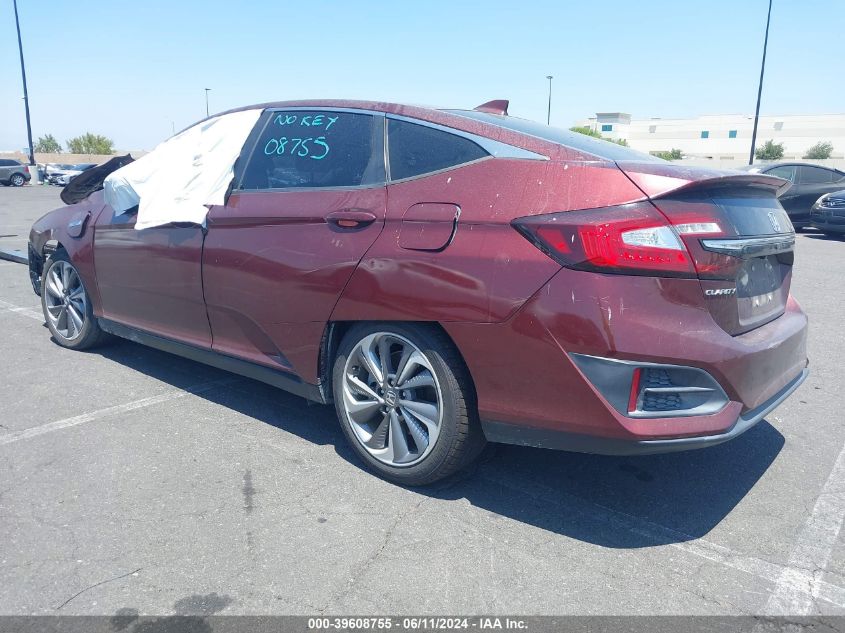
(66, 305)
(406, 402)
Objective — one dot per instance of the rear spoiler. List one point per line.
(658, 180)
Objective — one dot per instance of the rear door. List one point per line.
(309, 201)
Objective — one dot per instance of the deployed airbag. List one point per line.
(185, 174)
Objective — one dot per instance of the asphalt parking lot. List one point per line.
(132, 480)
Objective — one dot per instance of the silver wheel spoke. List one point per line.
(61, 321)
(422, 379)
(361, 411)
(412, 364)
(379, 437)
(371, 364)
(54, 284)
(384, 356)
(75, 318)
(416, 430)
(423, 411)
(357, 385)
(396, 439)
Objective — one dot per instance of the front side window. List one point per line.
(316, 148)
(418, 149)
(786, 172)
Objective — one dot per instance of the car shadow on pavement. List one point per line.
(621, 502)
(615, 502)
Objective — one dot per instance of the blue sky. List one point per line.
(132, 69)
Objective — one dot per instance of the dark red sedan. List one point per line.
(450, 277)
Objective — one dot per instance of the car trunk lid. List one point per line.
(738, 235)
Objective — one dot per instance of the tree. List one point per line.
(48, 145)
(820, 151)
(588, 131)
(770, 151)
(90, 143)
(672, 154)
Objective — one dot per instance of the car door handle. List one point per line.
(350, 218)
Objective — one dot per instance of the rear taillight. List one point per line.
(700, 220)
(634, 239)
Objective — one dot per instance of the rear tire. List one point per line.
(17, 180)
(66, 305)
(406, 403)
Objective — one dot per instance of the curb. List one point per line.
(16, 255)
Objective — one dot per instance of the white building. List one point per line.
(724, 139)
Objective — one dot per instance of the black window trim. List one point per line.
(442, 128)
(831, 172)
(267, 114)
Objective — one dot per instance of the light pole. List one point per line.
(206, 100)
(760, 87)
(549, 111)
(25, 94)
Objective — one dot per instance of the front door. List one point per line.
(309, 201)
(151, 279)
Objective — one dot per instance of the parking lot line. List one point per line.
(119, 408)
(702, 548)
(800, 582)
(27, 312)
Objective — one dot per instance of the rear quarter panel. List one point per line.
(488, 269)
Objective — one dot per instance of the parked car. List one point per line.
(62, 177)
(828, 214)
(808, 183)
(451, 277)
(14, 173)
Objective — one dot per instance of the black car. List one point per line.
(828, 214)
(809, 183)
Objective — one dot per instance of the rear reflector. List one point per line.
(632, 239)
(652, 390)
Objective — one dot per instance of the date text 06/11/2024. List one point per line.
(425, 623)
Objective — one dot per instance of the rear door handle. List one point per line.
(350, 218)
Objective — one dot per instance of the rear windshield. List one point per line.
(580, 142)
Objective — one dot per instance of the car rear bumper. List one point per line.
(561, 440)
(525, 375)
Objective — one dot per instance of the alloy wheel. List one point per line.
(392, 399)
(65, 300)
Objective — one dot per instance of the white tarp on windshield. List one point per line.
(184, 174)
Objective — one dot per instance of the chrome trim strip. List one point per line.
(751, 247)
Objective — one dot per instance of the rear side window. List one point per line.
(314, 149)
(418, 149)
(815, 175)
